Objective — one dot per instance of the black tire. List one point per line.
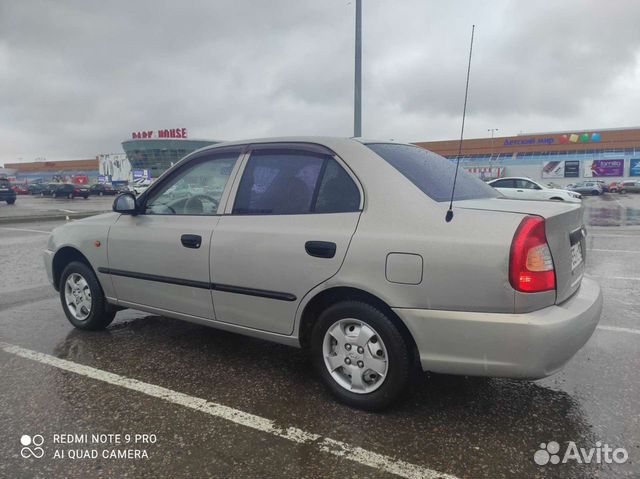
(100, 316)
(10, 202)
(398, 356)
(595, 193)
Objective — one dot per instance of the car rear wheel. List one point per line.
(595, 193)
(82, 298)
(360, 355)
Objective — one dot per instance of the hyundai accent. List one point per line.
(340, 246)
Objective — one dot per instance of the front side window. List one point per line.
(196, 189)
(291, 182)
(432, 173)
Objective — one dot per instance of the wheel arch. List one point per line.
(327, 297)
(62, 258)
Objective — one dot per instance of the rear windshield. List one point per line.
(4, 183)
(432, 173)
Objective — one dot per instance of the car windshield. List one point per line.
(432, 173)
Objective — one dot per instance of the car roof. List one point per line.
(327, 141)
(513, 178)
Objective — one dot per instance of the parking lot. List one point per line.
(30, 206)
(202, 402)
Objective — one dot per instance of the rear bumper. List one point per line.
(529, 346)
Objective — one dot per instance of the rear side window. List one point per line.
(502, 183)
(337, 192)
(292, 182)
(432, 173)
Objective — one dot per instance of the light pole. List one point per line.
(492, 130)
(357, 92)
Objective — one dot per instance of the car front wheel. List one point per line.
(360, 354)
(82, 298)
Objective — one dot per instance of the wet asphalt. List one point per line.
(467, 427)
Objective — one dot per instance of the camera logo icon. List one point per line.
(31, 446)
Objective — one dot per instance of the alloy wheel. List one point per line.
(78, 296)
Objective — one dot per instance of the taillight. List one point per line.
(530, 263)
(76, 191)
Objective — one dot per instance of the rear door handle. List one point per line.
(320, 249)
(191, 241)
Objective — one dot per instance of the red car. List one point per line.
(614, 187)
(20, 189)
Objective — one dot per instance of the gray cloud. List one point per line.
(77, 77)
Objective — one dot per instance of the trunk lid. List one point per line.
(565, 231)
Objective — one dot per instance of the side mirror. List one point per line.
(125, 204)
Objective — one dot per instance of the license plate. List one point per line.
(576, 256)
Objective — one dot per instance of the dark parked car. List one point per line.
(65, 190)
(6, 193)
(35, 188)
(101, 190)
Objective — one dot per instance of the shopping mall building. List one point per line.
(559, 157)
(157, 150)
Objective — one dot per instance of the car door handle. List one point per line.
(191, 241)
(320, 249)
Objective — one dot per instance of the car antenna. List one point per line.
(449, 215)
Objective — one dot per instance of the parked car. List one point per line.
(528, 189)
(587, 188)
(35, 188)
(99, 189)
(629, 187)
(603, 185)
(65, 190)
(301, 243)
(613, 187)
(6, 192)
(20, 189)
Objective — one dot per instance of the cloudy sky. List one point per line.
(77, 77)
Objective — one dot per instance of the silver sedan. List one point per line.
(341, 247)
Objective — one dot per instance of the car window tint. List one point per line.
(196, 189)
(524, 184)
(432, 173)
(337, 192)
(502, 184)
(279, 182)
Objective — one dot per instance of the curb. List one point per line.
(50, 217)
